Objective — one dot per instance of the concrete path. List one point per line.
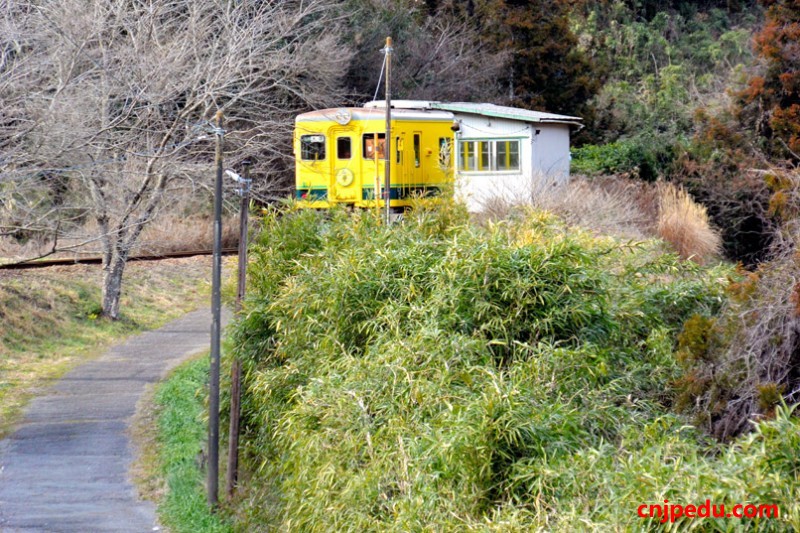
(66, 467)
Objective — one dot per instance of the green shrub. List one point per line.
(643, 156)
(435, 375)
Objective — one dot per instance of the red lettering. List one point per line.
(704, 511)
(675, 511)
(770, 511)
(655, 510)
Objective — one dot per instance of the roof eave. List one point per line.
(455, 108)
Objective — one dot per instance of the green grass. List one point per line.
(50, 319)
(442, 376)
(180, 411)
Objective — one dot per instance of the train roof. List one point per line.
(344, 114)
(484, 109)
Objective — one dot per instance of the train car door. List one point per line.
(345, 177)
(417, 166)
(373, 144)
(399, 172)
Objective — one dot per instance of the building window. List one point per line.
(468, 156)
(344, 148)
(483, 158)
(312, 147)
(369, 146)
(489, 156)
(506, 155)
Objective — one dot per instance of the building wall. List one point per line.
(551, 151)
(544, 159)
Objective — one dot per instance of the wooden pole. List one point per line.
(216, 306)
(236, 367)
(388, 148)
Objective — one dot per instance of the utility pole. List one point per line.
(216, 307)
(236, 367)
(388, 180)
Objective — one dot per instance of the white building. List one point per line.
(503, 152)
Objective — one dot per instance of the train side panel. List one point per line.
(340, 163)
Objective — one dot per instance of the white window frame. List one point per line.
(492, 155)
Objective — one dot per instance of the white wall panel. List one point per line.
(544, 160)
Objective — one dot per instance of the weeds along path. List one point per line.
(66, 467)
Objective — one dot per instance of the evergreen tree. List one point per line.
(547, 69)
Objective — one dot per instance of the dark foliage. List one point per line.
(771, 103)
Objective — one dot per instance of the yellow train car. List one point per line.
(340, 156)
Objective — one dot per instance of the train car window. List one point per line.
(416, 150)
(445, 147)
(312, 147)
(398, 149)
(344, 148)
(368, 146)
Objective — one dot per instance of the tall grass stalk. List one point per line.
(684, 223)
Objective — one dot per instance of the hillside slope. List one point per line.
(50, 319)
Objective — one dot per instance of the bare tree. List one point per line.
(439, 54)
(113, 98)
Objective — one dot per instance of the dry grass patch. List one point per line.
(619, 207)
(167, 233)
(174, 234)
(684, 223)
(614, 206)
(609, 209)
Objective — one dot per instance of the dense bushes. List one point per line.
(744, 362)
(445, 376)
(642, 157)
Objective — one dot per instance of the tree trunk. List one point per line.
(112, 286)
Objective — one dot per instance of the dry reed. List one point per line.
(684, 223)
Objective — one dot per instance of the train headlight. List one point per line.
(342, 116)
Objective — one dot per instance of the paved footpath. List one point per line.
(66, 467)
